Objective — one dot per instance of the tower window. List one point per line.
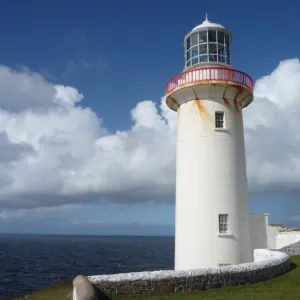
(219, 119)
(223, 223)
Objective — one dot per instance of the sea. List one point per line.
(30, 262)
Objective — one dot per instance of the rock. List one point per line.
(84, 288)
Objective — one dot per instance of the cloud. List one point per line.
(75, 219)
(80, 49)
(295, 219)
(271, 130)
(55, 214)
(84, 65)
(55, 152)
(3, 215)
(24, 90)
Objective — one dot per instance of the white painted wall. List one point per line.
(258, 231)
(286, 238)
(272, 236)
(211, 180)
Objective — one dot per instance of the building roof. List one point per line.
(276, 225)
(207, 24)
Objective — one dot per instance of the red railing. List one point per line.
(198, 75)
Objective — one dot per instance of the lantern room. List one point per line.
(207, 43)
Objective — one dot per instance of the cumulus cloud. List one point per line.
(56, 214)
(77, 66)
(295, 219)
(54, 151)
(271, 130)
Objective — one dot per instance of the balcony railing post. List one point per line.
(195, 75)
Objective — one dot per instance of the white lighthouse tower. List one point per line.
(211, 185)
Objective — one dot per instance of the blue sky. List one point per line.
(137, 40)
(119, 53)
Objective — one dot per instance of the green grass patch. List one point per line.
(284, 287)
(58, 291)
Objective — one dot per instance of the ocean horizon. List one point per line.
(75, 234)
(33, 261)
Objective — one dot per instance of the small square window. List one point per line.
(223, 223)
(219, 119)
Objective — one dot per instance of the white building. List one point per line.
(213, 226)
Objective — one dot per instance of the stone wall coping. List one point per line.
(271, 258)
(267, 264)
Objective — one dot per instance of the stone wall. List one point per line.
(268, 264)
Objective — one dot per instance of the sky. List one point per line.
(87, 142)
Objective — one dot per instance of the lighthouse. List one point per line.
(212, 214)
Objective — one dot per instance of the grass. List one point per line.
(283, 287)
(59, 291)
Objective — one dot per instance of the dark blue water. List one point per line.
(29, 262)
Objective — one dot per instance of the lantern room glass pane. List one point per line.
(212, 57)
(203, 58)
(227, 52)
(212, 48)
(212, 35)
(195, 60)
(194, 39)
(195, 51)
(203, 49)
(221, 49)
(226, 39)
(221, 59)
(189, 63)
(202, 37)
(220, 37)
(188, 55)
(188, 43)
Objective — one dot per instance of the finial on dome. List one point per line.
(206, 17)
